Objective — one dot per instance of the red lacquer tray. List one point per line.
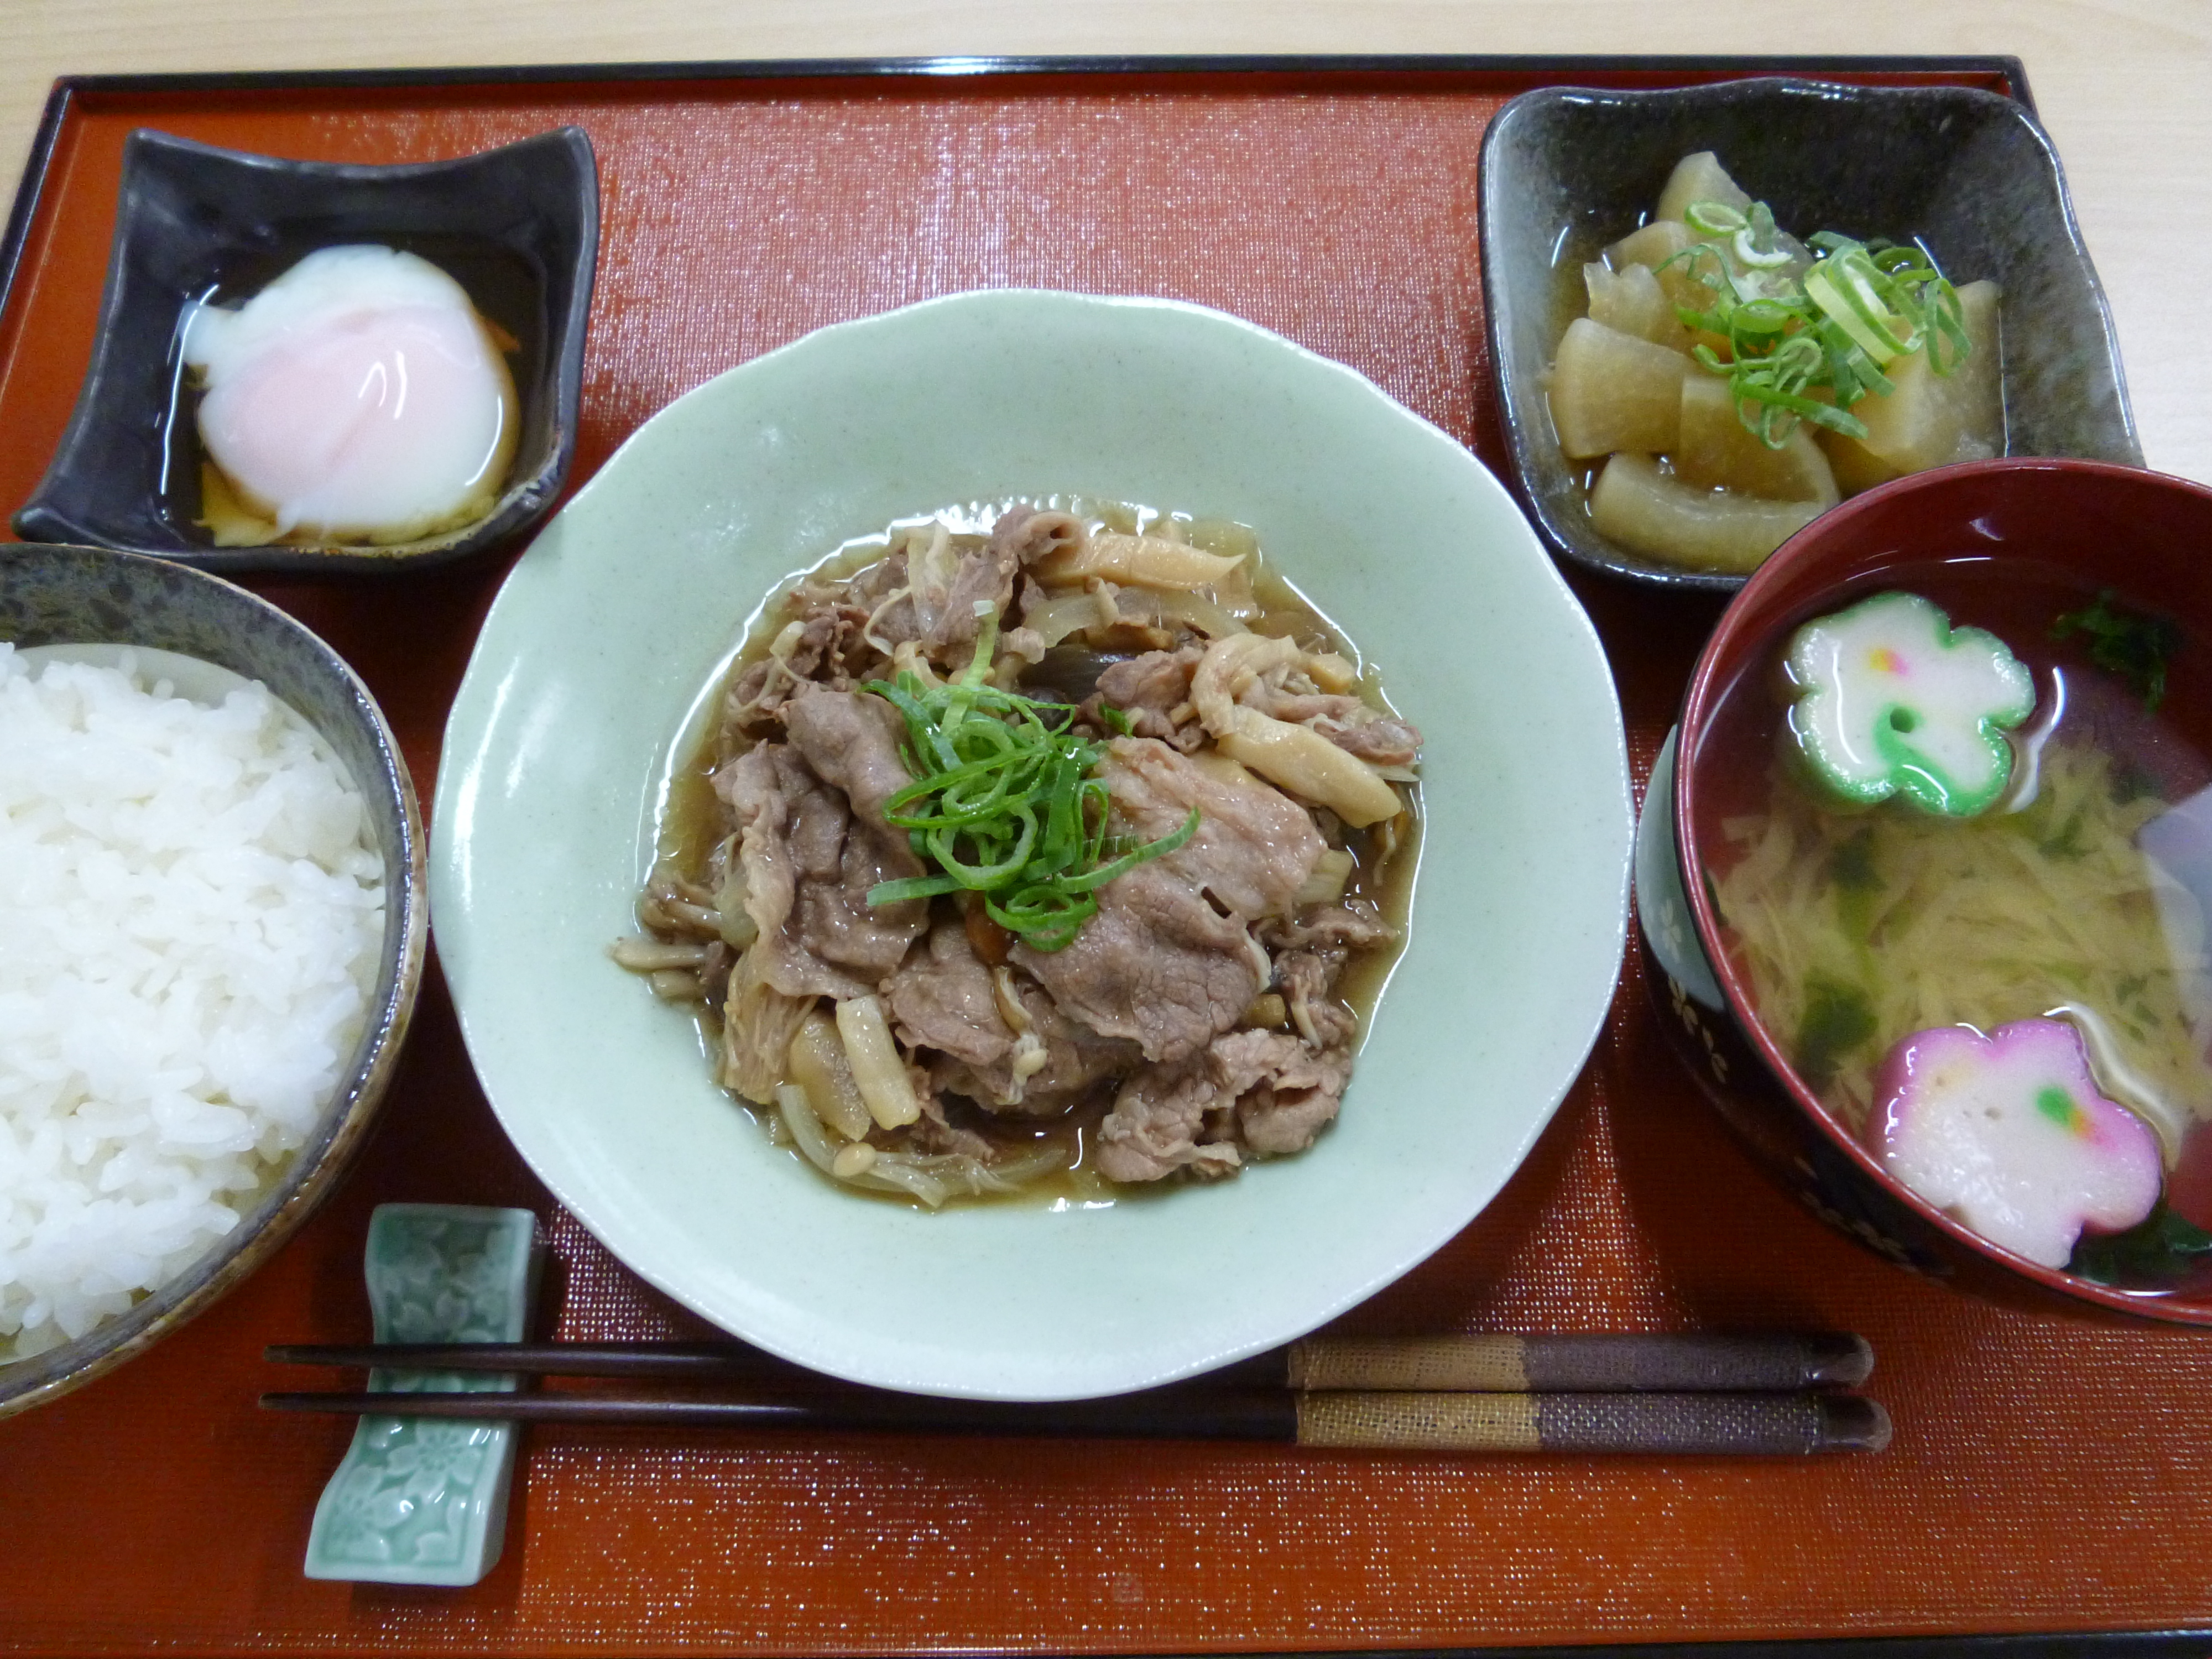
(2048, 1473)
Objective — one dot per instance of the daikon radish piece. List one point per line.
(1854, 467)
(1683, 281)
(1654, 246)
(1631, 301)
(1647, 512)
(1138, 561)
(1698, 177)
(1611, 391)
(1978, 384)
(1717, 452)
(1930, 419)
(818, 1064)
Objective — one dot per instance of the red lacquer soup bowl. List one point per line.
(2010, 546)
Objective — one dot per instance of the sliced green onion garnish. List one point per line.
(1807, 347)
(1715, 218)
(1003, 803)
(1848, 289)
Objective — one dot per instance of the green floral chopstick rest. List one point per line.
(421, 1500)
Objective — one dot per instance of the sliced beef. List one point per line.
(942, 999)
(1157, 964)
(881, 595)
(1310, 949)
(1351, 725)
(946, 586)
(1255, 846)
(1264, 1091)
(1307, 978)
(1383, 741)
(1075, 1059)
(1151, 690)
(984, 574)
(1168, 962)
(1273, 677)
(811, 859)
(1332, 926)
(829, 649)
(1284, 1091)
(1027, 534)
(851, 741)
(1154, 1128)
(935, 1132)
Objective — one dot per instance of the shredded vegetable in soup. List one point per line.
(1860, 929)
(1046, 850)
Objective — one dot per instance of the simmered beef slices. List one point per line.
(1192, 1017)
(1169, 960)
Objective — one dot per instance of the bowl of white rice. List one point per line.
(212, 936)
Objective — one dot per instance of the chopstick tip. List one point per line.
(1853, 1423)
(1838, 1360)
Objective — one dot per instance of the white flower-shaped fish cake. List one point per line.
(2009, 1134)
(1891, 699)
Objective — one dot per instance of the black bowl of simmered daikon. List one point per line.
(1717, 311)
(1925, 879)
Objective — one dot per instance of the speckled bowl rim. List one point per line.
(317, 1168)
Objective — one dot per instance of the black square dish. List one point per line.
(1566, 171)
(518, 227)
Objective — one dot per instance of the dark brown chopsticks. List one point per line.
(1491, 1363)
(1757, 1424)
(1684, 1395)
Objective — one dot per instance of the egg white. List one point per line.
(358, 397)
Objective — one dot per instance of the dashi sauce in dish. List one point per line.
(1999, 983)
(1035, 847)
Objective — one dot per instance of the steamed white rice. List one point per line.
(190, 908)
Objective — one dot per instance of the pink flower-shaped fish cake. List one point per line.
(2007, 1134)
(1891, 700)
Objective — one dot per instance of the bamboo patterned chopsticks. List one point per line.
(1755, 1395)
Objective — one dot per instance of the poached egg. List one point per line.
(359, 397)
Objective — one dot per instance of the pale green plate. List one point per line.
(560, 740)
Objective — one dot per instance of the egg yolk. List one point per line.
(358, 397)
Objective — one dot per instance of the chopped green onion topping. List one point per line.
(1715, 218)
(1807, 347)
(1003, 804)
